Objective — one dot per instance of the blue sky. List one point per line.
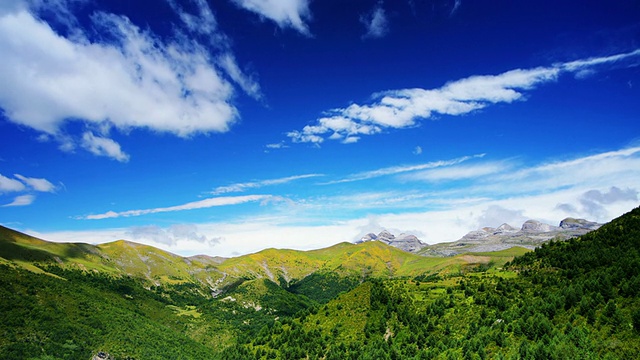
(231, 126)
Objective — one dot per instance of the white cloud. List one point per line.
(340, 127)
(37, 184)
(280, 145)
(204, 23)
(285, 13)
(24, 185)
(405, 107)
(228, 62)
(21, 200)
(138, 81)
(495, 215)
(10, 185)
(612, 168)
(376, 22)
(103, 147)
(125, 78)
(239, 187)
(170, 236)
(201, 204)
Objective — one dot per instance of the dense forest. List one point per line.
(565, 300)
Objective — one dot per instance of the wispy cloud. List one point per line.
(595, 202)
(605, 187)
(8, 185)
(21, 200)
(37, 184)
(404, 108)
(171, 235)
(25, 185)
(203, 23)
(376, 22)
(599, 170)
(279, 145)
(103, 147)
(459, 172)
(577, 65)
(285, 13)
(201, 204)
(394, 170)
(456, 6)
(239, 187)
(125, 78)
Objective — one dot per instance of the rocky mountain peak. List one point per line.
(505, 228)
(536, 226)
(386, 236)
(532, 234)
(571, 223)
(369, 237)
(406, 242)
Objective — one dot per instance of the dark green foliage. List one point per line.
(12, 251)
(428, 278)
(42, 315)
(322, 287)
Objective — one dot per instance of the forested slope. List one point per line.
(566, 300)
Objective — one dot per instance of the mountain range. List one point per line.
(530, 235)
(573, 298)
(282, 266)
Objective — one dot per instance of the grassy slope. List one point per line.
(285, 267)
(369, 259)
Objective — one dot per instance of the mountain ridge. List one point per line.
(158, 267)
(284, 266)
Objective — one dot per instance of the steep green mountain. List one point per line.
(565, 300)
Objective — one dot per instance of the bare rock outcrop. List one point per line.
(531, 235)
(406, 242)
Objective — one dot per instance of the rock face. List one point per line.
(531, 235)
(369, 237)
(571, 224)
(505, 228)
(386, 237)
(406, 242)
(537, 227)
(101, 355)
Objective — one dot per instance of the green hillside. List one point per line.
(565, 300)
